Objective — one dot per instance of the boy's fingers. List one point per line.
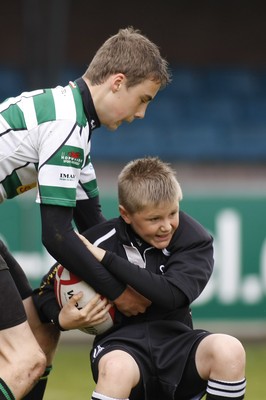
(76, 297)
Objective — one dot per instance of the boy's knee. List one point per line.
(229, 346)
(36, 360)
(221, 356)
(229, 358)
(37, 365)
(118, 363)
(112, 365)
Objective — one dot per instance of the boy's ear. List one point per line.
(124, 214)
(117, 82)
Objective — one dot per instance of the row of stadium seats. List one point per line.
(205, 114)
(225, 81)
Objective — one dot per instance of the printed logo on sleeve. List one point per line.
(24, 188)
(67, 177)
(74, 158)
(68, 156)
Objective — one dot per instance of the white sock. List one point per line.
(99, 396)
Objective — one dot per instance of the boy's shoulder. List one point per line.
(191, 228)
(105, 228)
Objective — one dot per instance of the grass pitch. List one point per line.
(71, 376)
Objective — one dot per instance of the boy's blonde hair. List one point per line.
(131, 53)
(147, 181)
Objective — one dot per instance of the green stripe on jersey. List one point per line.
(14, 117)
(88, 161)
(14, 186)
(91, 188)
(44, 106)
(57, 195)
(81, 117)
(11, 184)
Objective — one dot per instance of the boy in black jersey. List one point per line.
(167, 257)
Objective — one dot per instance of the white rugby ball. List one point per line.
(68, 284)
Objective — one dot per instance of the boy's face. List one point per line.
(121, 104)
(155, 224)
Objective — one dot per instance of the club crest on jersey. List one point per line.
(93, 124)
(161, 268)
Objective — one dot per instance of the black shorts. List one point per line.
(165, 354)
(14, 286)
(17, 273)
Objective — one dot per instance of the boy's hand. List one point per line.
(95, 312)
(131, 302)
(96, 251)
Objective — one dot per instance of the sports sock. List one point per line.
(37, 392)
(99, 396)
(221, 390)
(5, 392)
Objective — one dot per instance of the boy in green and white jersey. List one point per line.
(45, 142)
(45, 138)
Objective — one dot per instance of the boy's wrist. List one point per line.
(55, 321)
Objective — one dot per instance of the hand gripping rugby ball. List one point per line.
(68, 284)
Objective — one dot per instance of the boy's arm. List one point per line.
(87, 213)
(66, 247)
(187, 273)
(151, 285)
(130, 302)
(127, 300)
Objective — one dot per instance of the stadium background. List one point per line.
(210, 123)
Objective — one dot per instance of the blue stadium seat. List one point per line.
(205, 114)
(12, 82)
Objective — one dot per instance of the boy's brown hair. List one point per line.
(147, 181)
(131, 53)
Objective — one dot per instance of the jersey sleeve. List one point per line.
(63, 153)
(87, 186)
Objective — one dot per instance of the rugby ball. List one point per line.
(66, 285)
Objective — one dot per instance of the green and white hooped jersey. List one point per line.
(44, 142)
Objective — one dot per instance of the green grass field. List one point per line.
(71, 377)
